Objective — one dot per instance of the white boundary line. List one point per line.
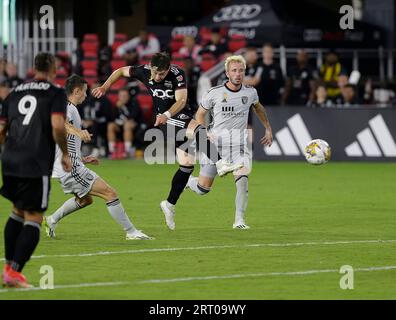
(258, 245)
(232, 276)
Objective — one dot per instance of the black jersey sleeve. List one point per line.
(59, 103)
(179, 79)
(137, 72)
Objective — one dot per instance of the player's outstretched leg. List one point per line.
(179, 182)
(241, 202)
(205, 146)
(101, 189)
(70, 206)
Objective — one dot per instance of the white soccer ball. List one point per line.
(317, 151)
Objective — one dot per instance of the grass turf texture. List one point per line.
(288, 203)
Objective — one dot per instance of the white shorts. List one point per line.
(233, 154)
(79, 181)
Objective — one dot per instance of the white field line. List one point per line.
(188, 279)
(258, 245)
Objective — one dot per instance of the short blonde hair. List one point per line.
(230, 59)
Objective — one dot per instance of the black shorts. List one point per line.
(30, 194)
(176, 128)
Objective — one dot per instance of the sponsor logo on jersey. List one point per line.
(163, 94)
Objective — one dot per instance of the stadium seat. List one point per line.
(236, 42)
(117, 63)
(121, 37)
(91, 80)
(121, 83)
(90, 72)
(204, 34)
(90, 54)
(91, 37)
(176, 43)
(61, 81)
(208, 61)
(146, 105)
(90, 46)
(145, 59)
(90, 64)
(179, 62)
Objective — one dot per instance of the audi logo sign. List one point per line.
(185, 31)
(237, 12)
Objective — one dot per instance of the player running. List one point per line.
(229, 105)
(81, 181)
(32, 121)
(167, 84)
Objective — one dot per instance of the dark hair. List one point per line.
(74, 81)
(44, 61)
(161, 61)
(268, 44)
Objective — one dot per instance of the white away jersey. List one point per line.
(230, 110)
(73, 144)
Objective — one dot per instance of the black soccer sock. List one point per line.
(12, 230)
(25, 245)
(179, 182)
(205, 145)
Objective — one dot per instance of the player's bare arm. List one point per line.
(117, 74)
(262, 115)
(90, 160)
(181, 99)
(84, 135)
(59, 134)
(200, 116)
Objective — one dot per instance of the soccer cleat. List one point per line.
(49, 227)
(224, 167)
(6, 268)
(14, 279)
(169, 212)
(240, 225)
(138, 235)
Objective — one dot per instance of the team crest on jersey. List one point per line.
(168, 84)
(224, 97)
(244, 99)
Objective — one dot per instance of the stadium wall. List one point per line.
(361, 134)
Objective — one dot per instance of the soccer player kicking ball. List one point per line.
(230, 104)
(167, 85)
(81, 181)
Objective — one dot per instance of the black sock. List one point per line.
(205, 145)
(179, 182)
(25, 245)
(12, 230)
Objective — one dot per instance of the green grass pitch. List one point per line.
(306, 222)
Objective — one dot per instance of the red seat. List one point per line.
(176, 43)
(145, 59)
(91, 80)
(90, 73)
(120, 84)
(91, 37)
(118, 63)
(61, 81)
(237, 42)
(90, 54)
(121, 37)
(208, 61)
(179, 62)
(115, 46)
(205, 35)
(89, 64)
(61, 73)
(90, 46)
(146, 105)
